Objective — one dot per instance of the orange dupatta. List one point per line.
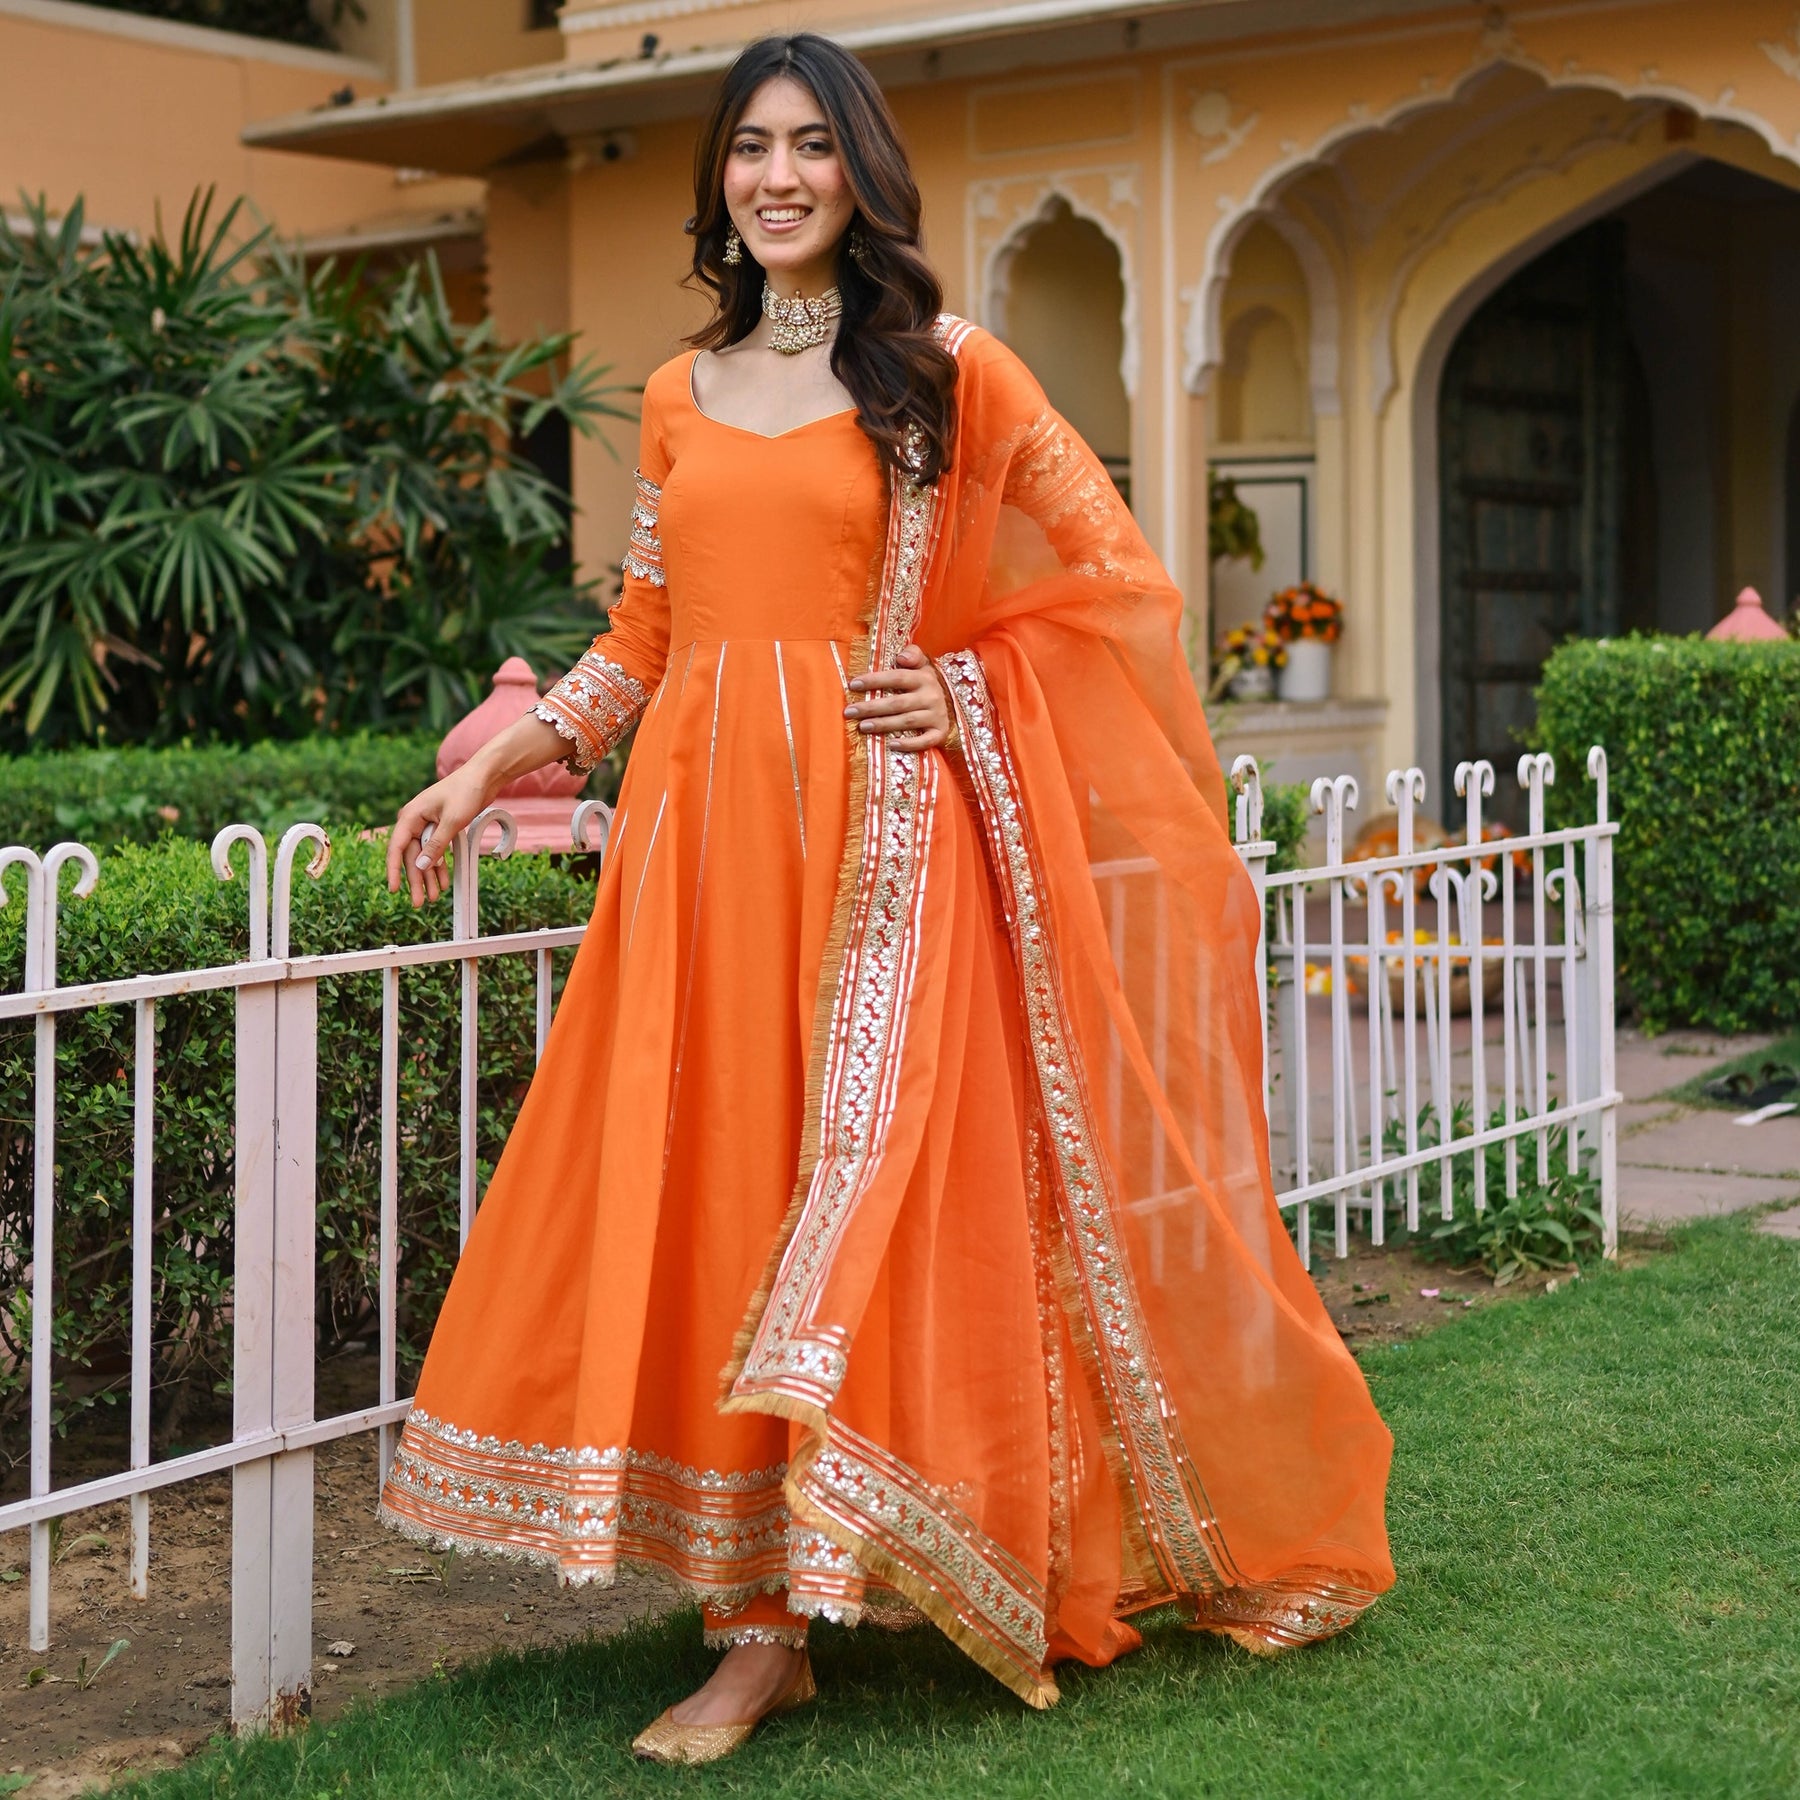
(1203, 1433)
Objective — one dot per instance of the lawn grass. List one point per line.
(1596, 1518)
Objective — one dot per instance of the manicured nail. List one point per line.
(424, 862)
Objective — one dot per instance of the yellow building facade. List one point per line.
(1493, 313)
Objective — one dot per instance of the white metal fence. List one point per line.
(1402, 1058)
(1406, 1037)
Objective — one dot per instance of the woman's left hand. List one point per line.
(906, 703)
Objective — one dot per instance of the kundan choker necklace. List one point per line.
(801, 324)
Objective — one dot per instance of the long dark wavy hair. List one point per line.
(902, 379)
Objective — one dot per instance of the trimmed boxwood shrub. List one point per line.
(135, 795)
(1703, 752)
(159, 908)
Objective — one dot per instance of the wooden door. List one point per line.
(1531, 439)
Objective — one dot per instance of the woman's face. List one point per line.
(785, 186)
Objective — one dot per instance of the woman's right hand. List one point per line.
(446, 807)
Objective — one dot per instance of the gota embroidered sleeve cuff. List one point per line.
(593, 706)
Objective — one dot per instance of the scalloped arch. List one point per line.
(996, 270)
(1201, 336)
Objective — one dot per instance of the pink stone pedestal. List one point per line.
(542, 802)
(1747, 622)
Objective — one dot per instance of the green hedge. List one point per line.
(159, 908)
(108, 797)
(134, 795)
(1703, 750)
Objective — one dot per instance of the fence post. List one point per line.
(1600, 956)
(1246, 778)
(273, 1347)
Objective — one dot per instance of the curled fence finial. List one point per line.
(1331, 794)
(1475, 782)
(1405, 790)
(222, 846)
(56, 859)
(289, 848)
(17, 856)
(1597, 775)
(1246, 778)
(586, 813)
(1537, 771)
(465, 876)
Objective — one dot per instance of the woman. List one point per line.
(889, 1227)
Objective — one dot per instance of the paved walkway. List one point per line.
(1685, 1162)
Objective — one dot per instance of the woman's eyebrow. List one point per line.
(816, 128)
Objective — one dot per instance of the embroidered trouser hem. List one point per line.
(763, 1620)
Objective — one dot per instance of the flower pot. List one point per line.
(1254, 682)
(1307, 673)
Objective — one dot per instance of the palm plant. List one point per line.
(239, 498)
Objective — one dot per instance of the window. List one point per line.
(540, 15)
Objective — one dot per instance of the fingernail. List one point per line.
(424, 862)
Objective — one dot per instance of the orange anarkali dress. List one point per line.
(889, 1219)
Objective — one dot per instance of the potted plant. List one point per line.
(1307, 621)
(1245, 664)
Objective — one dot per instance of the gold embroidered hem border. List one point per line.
(1182, 1535)
(921, 1534)
(585, 1511)
(723, 1637)
(1277, 1616)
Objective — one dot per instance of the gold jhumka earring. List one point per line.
(734, 247)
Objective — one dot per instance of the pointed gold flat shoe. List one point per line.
(667, 1740)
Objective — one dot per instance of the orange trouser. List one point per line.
(766, 1619)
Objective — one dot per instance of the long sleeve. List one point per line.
(605, 694)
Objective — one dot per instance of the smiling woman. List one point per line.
(852, 1257)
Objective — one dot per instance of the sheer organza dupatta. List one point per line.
(1032, 1406)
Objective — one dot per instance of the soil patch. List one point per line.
(406, 1612)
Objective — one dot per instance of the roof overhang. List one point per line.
(393, 231)
(475, 127)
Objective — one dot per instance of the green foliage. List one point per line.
(161, 908)
(1546, 1223)
(1232, 528)
(286, 21)
(1703, 753)
(135, 795)
(1287, 811)
(240, 500)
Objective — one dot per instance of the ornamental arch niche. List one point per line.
(1058, 292)
(1263, 419)
(1423, 219)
